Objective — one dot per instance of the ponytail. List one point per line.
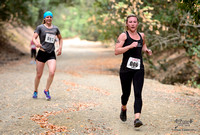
(43, 22)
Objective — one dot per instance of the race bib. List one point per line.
(50, 38)
(133, 63)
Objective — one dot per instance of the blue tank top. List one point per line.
(132, 59)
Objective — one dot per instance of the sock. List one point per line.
(123, 108)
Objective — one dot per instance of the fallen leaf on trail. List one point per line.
(73, 73)
(21, 117)
(68, 90)
(42, 120)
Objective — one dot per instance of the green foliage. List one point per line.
(194, 49)
(74, 20)
(14, 11)
(38, 7)
(29, 12)
(111, 15)
(193, 83)
(191, 6)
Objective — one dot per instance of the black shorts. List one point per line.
(44, 56)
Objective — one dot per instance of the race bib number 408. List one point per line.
(50, 38)
(133, 63)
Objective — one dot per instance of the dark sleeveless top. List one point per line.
(135, 52)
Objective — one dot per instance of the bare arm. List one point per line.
(144, 48)
(119, 49)
(59, 51)
(35, 36)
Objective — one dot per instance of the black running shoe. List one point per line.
(138, 123)
(123, 115)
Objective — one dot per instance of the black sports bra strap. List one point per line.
(128, 36)
(140, 36)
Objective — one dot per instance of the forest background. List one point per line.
(171, 28)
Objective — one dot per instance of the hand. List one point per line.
(38, 45)
(58, 52)
(149, 52)
(134, 44)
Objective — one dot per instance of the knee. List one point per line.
(39, 75)
(138, 96)
(126, 94)
(51, 73)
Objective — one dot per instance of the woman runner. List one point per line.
(47, 33)
(131, 44)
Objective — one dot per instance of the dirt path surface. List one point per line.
(86, 95)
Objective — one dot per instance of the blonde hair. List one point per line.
(131, 15)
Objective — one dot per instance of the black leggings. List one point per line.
(137, 76)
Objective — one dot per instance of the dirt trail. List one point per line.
(86, 99)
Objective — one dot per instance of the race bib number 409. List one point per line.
(133, 63)
(50, 38)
